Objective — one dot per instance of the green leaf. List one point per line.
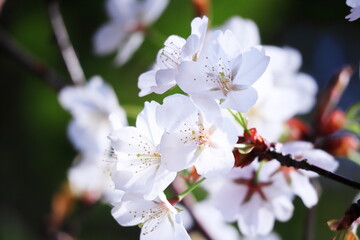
(353, 119)
(354, 156)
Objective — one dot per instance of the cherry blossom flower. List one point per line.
(281, 80)
(355, 11)
(90, 179)
(96, 112)
(140, 166)
(158, 218)
(162, 77)
(224, 72)
(252, 197)
(203, 138)
(125, 30)
(299, 180)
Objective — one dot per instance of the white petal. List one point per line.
(128, 47)
(214, 162)
(152, 9)
(240, 100)
(304, 189)
(253, 65)
(108, 38)
(165, 79)
(177, 155)
(146, 82)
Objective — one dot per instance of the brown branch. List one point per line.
(9, 46)
(287, 160)
(64, 44)
(178, 187)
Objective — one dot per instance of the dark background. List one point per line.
(35, 152)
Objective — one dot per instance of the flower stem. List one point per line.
(240, 119)
(190, 189)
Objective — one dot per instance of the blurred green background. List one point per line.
(35, 151)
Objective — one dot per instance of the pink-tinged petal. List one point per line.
(147, 82)
(214, 162)
(176, 153)
(240, 100)
(128, 47)
(165, 80)
(253, 65)
(302, 187)
(108, 38)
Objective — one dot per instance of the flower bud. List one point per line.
(340, 146)
(335, 121)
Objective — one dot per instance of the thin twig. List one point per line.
(23, 57)
(63, 42)
(178, 187)
(287, 160)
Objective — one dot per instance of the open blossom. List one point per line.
(162, 77)
(223, 72)
(96, 112)
(281, 80)
(355, 11)
(193, 137)
(125, 30)
(298, 179)
(253, 198)
(139, 166)
(158, 218)
(90, 179)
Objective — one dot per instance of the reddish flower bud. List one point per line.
(298, 130)
(335, 121)
(340, 146)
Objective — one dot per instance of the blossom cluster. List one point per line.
(231, 86)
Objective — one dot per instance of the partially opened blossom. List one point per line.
(299, 180)
(158, 218)
(223, 72)
(96, 112)
(162, 77)
(355, 11)
(196, 134)
(253, 198)
(124, 32)
(139, 165)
